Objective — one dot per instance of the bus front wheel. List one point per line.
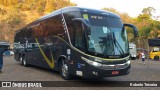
(64, 71)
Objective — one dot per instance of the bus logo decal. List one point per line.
(79, 65)
(50, 63)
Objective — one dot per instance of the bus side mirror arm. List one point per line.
(86, 23)
(134, 28)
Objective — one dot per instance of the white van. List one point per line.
(132, 50)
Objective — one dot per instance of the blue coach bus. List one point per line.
(76, 41)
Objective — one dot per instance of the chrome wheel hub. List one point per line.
(64, 69)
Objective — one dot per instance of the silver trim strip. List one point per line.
(115, 67)
(109, 67)
(66, 29)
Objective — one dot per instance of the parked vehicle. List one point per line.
(133, 50)
(5, 45)
(155, 53)
(8, 52)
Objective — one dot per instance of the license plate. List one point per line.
(115, 72)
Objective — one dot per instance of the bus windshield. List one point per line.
(107, 36)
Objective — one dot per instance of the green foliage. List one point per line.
(143, 17)
(145, 31)
(148, 11)
(111, 10)
(157, 25)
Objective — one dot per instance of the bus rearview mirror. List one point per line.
(134, 29)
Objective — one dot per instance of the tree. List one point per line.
(148, 27)
(14, 14)
(111, 10)
(148, 11)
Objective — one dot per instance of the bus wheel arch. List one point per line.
(60, 61)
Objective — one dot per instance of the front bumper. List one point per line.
(88, 68)
(97, 72)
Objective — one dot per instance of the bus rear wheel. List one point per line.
(25, 62)
(21, 60)
(64, 71)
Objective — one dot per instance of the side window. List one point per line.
(48, 27)
(78, 34)
(21, 34)
(29, 33)
(68, 17)
(39, 30)
(54, 26)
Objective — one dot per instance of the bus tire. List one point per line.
(25, 62)
(21, 60)
(64, 71)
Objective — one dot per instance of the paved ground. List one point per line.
(12, 71)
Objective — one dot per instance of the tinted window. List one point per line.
(49, 27)
(78, 33)
(115, 22)
(99, 20)
(29, 33)
(68, 17)
(54, 26)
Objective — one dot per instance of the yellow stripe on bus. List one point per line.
(50, 63)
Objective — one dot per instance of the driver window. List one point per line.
(78, 34)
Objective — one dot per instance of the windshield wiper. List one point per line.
(115, 41)
(111, 39)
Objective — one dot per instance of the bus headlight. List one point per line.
(96, 64)
(93, 63)
(128, 62)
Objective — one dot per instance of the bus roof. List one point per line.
(73, 8)
(81, 9)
